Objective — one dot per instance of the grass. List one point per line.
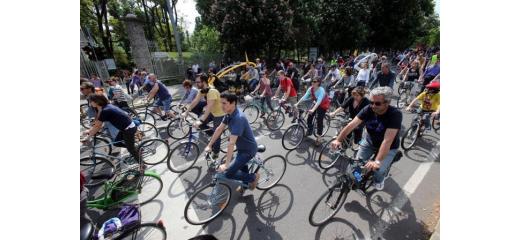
(185, 55)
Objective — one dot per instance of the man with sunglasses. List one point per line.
(382, 123)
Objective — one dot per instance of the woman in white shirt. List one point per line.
(363, 74)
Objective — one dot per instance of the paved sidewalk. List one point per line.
(437, 233)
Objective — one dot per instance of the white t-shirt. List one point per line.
(363, 75)
(335, 73)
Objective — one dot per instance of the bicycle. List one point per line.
(135, 230)
(215, 196)
(436, 122)
(184, 156)
(253, 109)
(355, 177)
(328, 156)
(275, 119)
(296, 132)
(98, 167)
(405, 94)
(415, 130)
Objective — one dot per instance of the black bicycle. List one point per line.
(416, 130)
(293, 136)
(356, 177)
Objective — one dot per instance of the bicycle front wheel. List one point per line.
(154, 151)
(96, 170)
(328, 157)
(326, 126)
(410, 137)
(224, 142)
(146, 130)
(144, 231)
(151, 187)
(271, 172)
(251, 112)
(177, 129)
(328, 204)
(275, 120)
(183, 157)
(436, 123)
(147, 116)
(207, 203)
(293, 137)
(402, 101)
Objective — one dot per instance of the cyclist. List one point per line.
(385, 78)
(354, 104)
(430, 73)
(334, 77)
(117, 96)
(189, 96)
(157, 89)
(264, 88)
(430, 101)
(293, 74)
(317, 94)
(289, 93)
(241, 136)
(253, 76)
(363, 74)
(109, 113)
(382, 123)
(311, 74)
(213, 109)
(412, 73)
(94, 79)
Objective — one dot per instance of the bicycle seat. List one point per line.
(86, 230)
(261, 148)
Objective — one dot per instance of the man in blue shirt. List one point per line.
(164, 98)
(241, 136)
(431, 72)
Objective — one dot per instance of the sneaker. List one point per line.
(254, 183)
(240, 189)
(164, 117)
(293, 121)
(291, 114)
(262, 115)
(379, 186)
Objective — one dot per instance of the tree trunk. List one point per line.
(147, 24)
(168, 31)
(110, 49)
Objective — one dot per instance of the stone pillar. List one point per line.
(138, 43)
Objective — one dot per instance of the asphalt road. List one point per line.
(400, 211)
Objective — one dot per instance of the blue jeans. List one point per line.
(252, 84)
(165, 104)
(238, 169)
(426, 119)
(366, 150)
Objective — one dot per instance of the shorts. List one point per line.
(165, 104)
(292, 101)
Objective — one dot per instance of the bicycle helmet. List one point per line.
(434, 85)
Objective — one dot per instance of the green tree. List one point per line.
(206, 40)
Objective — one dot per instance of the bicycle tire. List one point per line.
(155, 194)
(436, 124)
(264, 171)
(96, 170)
(136, 233)
(273, 118)
(224, 141)
(219, 209)
(300, 130)
(176, 129)
(401, 89)
(326, 127)
(149, 131)
(329, 194)
(251, 112)
(414, 129)
(150, 148)
(326, 149)
(147, 116)
(86, 122)
(402, 101)
(106, 148)
(178, 153)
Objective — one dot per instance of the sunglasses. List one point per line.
(377, 103)
(314, 81)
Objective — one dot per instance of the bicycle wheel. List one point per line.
(86, 122)
(293, 136)
(328, 204)
(410, 137)
(251, 112)
(329, 157)
(145, 231)
(326, 126)
(151, 186)
(183, 157)
(146, 131)
(401, 89)
(436, 123)
(103, 146)
(96, 170)
(402, 101)
(153, 151)
(207, 203)
(271, 172)
(275, 120)
(147, 116)
(177, 129)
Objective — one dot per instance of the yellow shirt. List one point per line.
(429, 102)
(216, 110)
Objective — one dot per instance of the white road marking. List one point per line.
(399, 201)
